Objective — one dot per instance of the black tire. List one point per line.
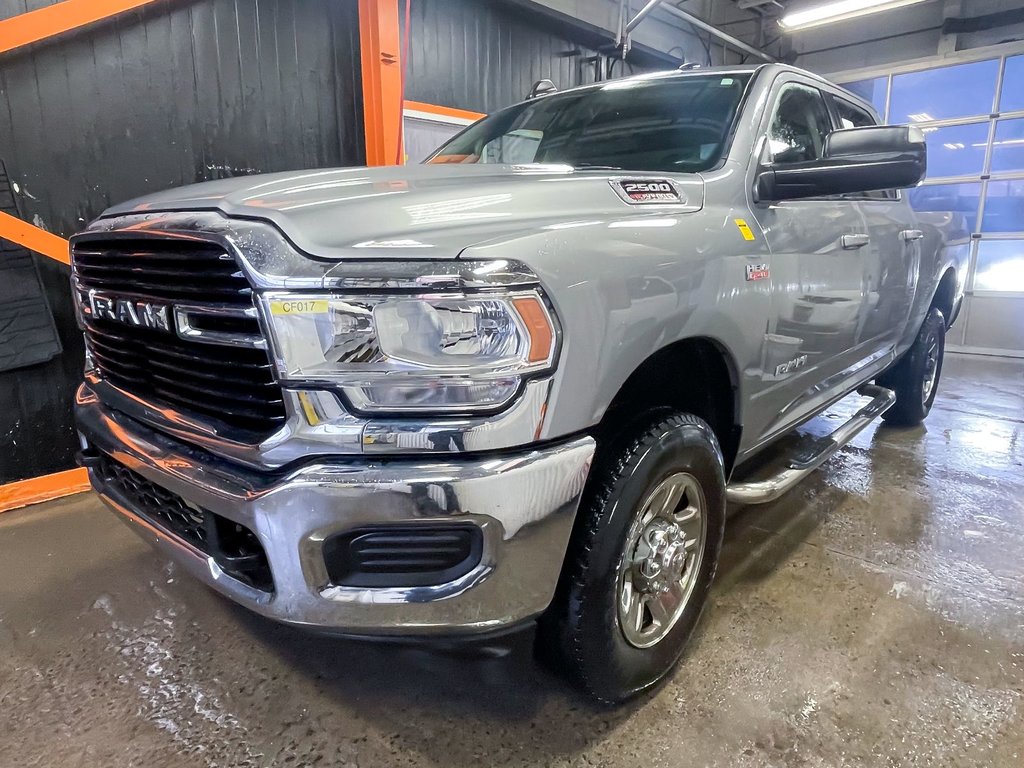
(581, 632)
(910, 377)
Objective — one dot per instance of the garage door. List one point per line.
(972, 114)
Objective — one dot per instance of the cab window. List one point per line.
(799, 126)
(852, 116)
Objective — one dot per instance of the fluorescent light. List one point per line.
(838, 10)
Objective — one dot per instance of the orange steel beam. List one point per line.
(437, 109)
(45, 488)
(380, 51)
(34, 238)
(33, 26)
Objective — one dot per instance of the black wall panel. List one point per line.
(174, 93)
(483, 55)
(178, 92)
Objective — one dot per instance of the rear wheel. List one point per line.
(642, 559)
(915, 378)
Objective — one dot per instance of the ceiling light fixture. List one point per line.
(838, 10)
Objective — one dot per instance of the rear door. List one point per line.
(891, 258)
(814, 341)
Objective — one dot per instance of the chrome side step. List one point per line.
(763, 491)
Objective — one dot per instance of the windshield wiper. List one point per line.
(592, 167)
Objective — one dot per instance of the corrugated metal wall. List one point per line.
(175, 93)
(483, 56)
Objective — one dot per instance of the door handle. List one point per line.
(853, 242)
(908, 235)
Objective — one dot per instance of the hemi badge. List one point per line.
(758, 272)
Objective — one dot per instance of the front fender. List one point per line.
(626, 288)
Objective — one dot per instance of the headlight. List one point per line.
(401, 353)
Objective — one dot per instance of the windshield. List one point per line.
(675, 124)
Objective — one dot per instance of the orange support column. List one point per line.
(381, 53)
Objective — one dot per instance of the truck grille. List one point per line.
(185, 271)
(234, 547)
(215, 383)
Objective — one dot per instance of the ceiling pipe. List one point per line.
(635, 21)
(715, 31)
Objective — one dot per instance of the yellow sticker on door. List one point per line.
(297, 307)
(744, 228)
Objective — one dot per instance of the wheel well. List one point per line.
(945, 295)
(693, 375)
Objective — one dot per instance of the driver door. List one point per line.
(818, 273)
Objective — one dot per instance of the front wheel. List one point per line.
(642, 559)
(915, 378)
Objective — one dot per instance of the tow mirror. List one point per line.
(541, 88)
(855, 160)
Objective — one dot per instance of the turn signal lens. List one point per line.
(538, 326)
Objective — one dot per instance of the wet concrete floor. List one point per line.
(872, 617)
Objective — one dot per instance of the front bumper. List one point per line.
(524, 504)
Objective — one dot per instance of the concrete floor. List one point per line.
(873, 617)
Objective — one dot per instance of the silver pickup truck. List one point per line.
(519, 382)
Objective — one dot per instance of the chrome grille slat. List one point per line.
(219, 383)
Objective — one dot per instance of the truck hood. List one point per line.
(415, 211)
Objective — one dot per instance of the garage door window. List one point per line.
(1004, 206)
(961, 198)
(1008, 146)
(1000, 266)
(957, 150)
(1012, 98)
(962, 90)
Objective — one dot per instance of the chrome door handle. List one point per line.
(853, 242)
(911, 234)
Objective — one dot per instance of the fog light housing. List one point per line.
(403, 556)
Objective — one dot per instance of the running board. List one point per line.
(763, 491)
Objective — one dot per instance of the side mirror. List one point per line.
(855, 160)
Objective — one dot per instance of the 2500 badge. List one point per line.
(647, 191)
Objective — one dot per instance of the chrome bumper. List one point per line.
(524, 504)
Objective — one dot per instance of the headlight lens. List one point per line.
(446, 352)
